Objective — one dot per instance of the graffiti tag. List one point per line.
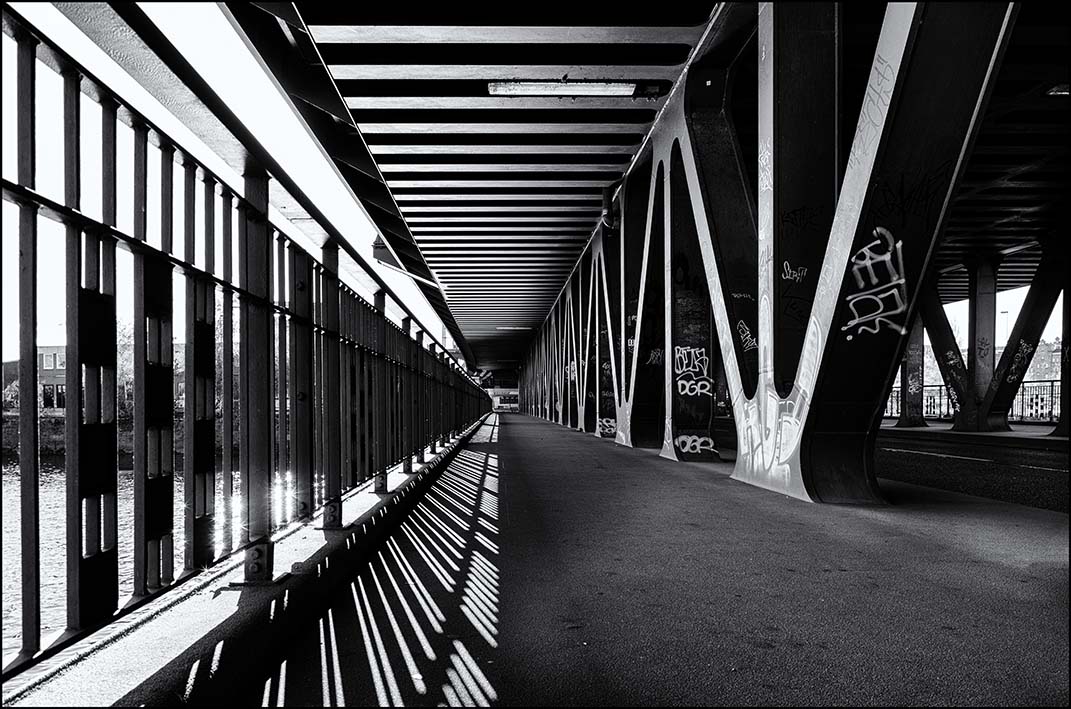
(793, 274)
(691, 364)
(882, 295)
(747, 340)
(1020, 362)
(694, 444)
(766, 165)
(875, 108)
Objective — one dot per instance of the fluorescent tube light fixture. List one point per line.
(560, 88)
(511, 327)
(1059, 90)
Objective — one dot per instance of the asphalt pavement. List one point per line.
(548, 567)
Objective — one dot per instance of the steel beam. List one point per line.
(1023, 339)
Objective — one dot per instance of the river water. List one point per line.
(52, 530)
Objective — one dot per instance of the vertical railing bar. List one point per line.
(73, 375)
(26, 90)
(243, 380)
(206, 373)
(379, 396)
(228, 374)
(256, 338)
(141, 429)
(106, 506)
(283, 420)
(331, 399)
(318, 384)
(301, 380)
(167, 196)
(189, 412)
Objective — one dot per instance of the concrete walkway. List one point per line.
(550, 567)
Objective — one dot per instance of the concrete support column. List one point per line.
(982, 323)
(911, 378)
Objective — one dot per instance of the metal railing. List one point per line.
(1035, 402)
(289, 380)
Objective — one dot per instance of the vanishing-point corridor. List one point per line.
(362, 354)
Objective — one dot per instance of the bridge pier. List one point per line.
(911, 378)
(981, 333)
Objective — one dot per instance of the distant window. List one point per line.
(61, 396)
(48, 396)
(48, 361)
(61, 360)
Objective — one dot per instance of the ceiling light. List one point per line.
(560, 88)
(513, 328)
(1058, 90)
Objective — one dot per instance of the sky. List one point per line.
(51, 316)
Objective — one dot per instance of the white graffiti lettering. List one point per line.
(875, 108)
(657, 356)
(793, 274)
(691, 365)
(766, 165)
(883, 297)
(1020, 361)
(914, 386)
(607, 426)
(746, 339)
(687, 387)
(694, 444)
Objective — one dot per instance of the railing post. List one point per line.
(227, 362)
(409, 402)
(301, 380)
(379, 395)
(444, 399)
(91, 462)
(154, 485)
(282, 461)
(418, 396)
(433, 399)
(332, 397)
(199, 448)
(347, 380)
(256, 356)
(28, 443)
